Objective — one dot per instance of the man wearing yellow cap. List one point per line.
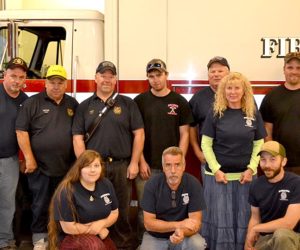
(44, 135)
(275, 203)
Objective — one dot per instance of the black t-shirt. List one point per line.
(201, 103)
(273, 199)
(49, 127)
(281, 107)
(103, 201)
(162, 118)
(233, 135)
(157, 199)
(113, 137)
(8, 114)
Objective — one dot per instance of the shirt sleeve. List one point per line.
(62, 208)
(209, 126)
(206, 145)
(148, 201)
(197, 201)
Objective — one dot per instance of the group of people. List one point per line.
(116, 140)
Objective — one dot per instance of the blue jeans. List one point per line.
(194, 242)
(9, 175)
(42, 188)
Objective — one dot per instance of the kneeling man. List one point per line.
(275, 203)
(172, 205)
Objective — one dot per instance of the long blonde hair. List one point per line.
(247, 102)
(73, 176)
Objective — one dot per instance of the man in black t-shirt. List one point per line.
(280, 110)
(11, 98)
(172, 203)
(44, 135)
(275, 203)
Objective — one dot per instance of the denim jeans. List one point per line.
(42, 188)
(279, 240)
(9, 175)
(194, 242)
(121, 231)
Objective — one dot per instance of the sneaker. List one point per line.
(40, 245)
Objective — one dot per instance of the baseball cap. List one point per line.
(274, 148)
(56, 71)
(218, 59)
(291, 55)
(106, 65)
(156, 64)
(17, 62)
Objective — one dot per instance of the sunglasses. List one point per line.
(173, 197)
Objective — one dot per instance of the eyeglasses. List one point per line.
(173, 197)
(156, 66)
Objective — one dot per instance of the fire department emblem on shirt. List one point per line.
(185, 198)
(92, 111)
(283, 194)
(249, 121)
(117, 110)
(106, 198)
(70, 112)
(46, 111)
(172, 108)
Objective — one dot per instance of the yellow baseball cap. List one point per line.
(56, 71)
(274, 148)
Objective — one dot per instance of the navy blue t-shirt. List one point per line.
(157, 199)
(233, 135)
(89, 209)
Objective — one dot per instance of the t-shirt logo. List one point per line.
(46, 111)
(70, 112)
(249, 121)
(106, 198)
(283, 194)
(185, 198)
(117, 110)
(173, 108)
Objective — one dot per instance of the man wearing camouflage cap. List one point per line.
(275, 203)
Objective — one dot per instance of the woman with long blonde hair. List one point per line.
(83, 206)
(233, 133)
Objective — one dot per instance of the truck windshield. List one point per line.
(38, 46)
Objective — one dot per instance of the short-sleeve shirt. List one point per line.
(9, 107)
(162, 117)
(88, 209)
(273, 199)
(49, 126)
(281, 108)
(113, 137)
(233, 135)
(157, 199)
(201, 103)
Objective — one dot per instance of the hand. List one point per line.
(96, 227)
(132, 170)
(30, 165)
(103, 233)
(189, 224)
(246, 176)
(145, 170)
(177, 237)
(220, 176)
(251, 238)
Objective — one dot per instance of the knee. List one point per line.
(283, 234)
(194, 242)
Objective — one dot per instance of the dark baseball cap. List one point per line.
(17, 62)
(156, 64)
(218, 59)
(291, 55)
(106, 65)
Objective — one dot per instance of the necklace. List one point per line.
(91, 198)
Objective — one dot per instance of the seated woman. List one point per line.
(83, 206)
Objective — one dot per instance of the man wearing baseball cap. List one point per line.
(44, 135)
(11, 98)
(167, 117)
(280, 111)
(275, 203)
(202, 101)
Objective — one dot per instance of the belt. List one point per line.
(110, 159)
